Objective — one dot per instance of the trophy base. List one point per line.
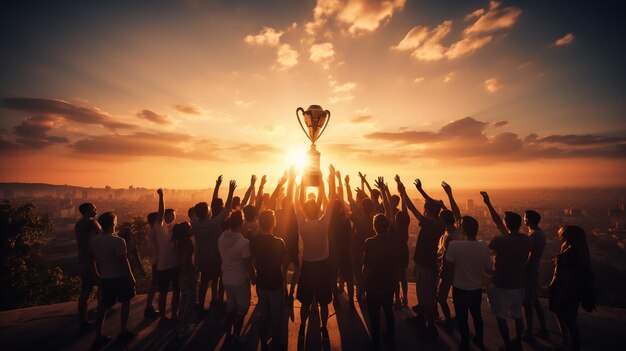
(312, 178)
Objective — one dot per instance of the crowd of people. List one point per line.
(357, 239)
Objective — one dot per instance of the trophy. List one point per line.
(316, 120)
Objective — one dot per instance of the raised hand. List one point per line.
(380, 183)
(397, 179)
(292, 173)
(282, 180)
(232, 185)
(418, 184)
(347, 179)
(401, 188)
(485, 197)
(447, 188)
(338, 174)
(331, 168)
(362, 176)
(218, 182)
(263, 180)
(252, 179)
(160, 191)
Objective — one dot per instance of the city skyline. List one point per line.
(481, 94)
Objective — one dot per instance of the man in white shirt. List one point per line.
(167, 264)
(117, 283)
(469, 258)
(315, 274)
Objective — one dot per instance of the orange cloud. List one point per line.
(267, 37)
(492, 85)
(153, 117)
(493, 19)
(357, 15)
(565, 40)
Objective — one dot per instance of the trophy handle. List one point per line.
(299, 121)
(325, 125)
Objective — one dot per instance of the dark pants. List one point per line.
(374, 304)
(464, 301)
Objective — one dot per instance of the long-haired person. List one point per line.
(572, 284)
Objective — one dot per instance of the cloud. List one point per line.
(344, 88)
(565, 40)
(322, 53)
(343, 92)
(448, 78)
(466, 140)
(358, 16)
(493, 19)
(146, 144)
(418, 80)
(361, 119)
(190, 109)
(153, 117)
(492, 85)
(242, 103)
(267, 37)
(66, 110)
(500, 124)
(425, 44)
(286, 56)
(33, 132)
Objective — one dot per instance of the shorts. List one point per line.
(167, 276)
(116, 290)
(506, 303)
(155, 276)
(86, 282)
(426, 287)
(270, 304)
(315, 281)
(210, 270)
(237, 298)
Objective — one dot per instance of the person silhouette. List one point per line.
(531, 298)
(183, 246)
(167, 264)
(85, 229)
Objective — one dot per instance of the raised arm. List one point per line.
(249, 192)
(453, 205)
(365, 183)
(494, 215)
(291, 185)
(300, 199)
(216, 191)
(418, 185)
(349, 193)
(232, 185)
(339, 187)
(409, 203)
(161, 206)
(277, 190)
(404, 209)
(259, 194)
(380, 184)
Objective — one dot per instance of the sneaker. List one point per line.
(126, 336)
(150, 313)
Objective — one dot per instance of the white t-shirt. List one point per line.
(234, 248)
(471, 258)
(108, 250)
(314, 234)
(167, 254)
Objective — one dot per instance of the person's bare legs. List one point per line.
(175, 302)
(125, 312)
(304, 316)
(405, 290)
(294, 279)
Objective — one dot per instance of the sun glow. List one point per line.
(297, 158)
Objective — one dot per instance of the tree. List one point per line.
(26, 279)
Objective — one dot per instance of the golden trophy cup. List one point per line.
(316, 120)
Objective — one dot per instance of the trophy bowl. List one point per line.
(316, 120)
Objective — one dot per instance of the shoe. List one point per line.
(126, 336)
(150, 313)
(84, 328)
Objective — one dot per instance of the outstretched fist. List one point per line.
(485, 196)
(160, 191)
(446, 187)
(418, 184)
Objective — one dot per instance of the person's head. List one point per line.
(395, 200)
(311, 210)
(368, 206)
(311, 196)
(181, 232)
(108, 222)
(431, 209)
(250, 213)
(236, 202)
(202, 210)
(266, 198)
(532, 218)
(88, 210)
(169, 216)
(575, 237)
(152, 218)
(267, 221)
(381, 224)
(125, 232)
(375, 195)
(217, 205)
(402, 219)
(469, 227)
(191, 213)
(513, 221)
(338, 209)
(234, 221)
(447, 217)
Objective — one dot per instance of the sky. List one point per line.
(507, 94)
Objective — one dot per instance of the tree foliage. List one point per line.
(26, 279)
